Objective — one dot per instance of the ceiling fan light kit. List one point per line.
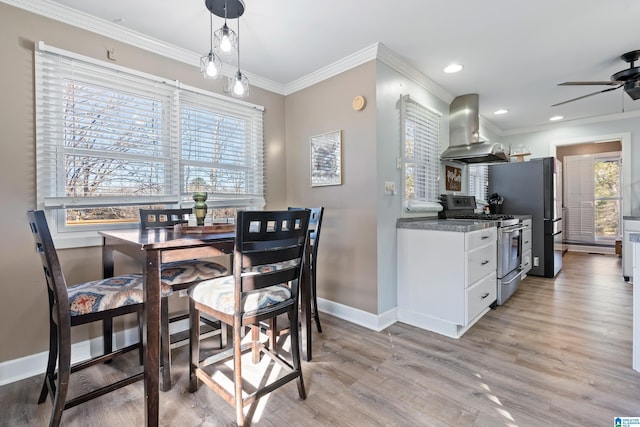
(628, 78)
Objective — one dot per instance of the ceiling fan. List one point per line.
(629, 79)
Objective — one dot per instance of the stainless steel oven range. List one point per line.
(509, 240)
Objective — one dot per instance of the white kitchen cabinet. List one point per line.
(630, 224)
(446, 279)
(634, 248)
(526, 247)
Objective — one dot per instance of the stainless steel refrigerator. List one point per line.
(530, 188)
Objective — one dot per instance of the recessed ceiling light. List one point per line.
(556, 118)
(501, 111)
(453, 68)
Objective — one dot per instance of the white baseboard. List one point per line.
(605, 250)
(35, 364)
(377, 322)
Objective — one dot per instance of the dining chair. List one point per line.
(315, 224)
(180, 275)
(268, 259)
(79, 304)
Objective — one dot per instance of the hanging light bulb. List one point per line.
(238, 85)
(210, 63)
(225, 39)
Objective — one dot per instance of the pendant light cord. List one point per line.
(211, 32)
(238, 44)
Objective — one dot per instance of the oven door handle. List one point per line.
(511, 228)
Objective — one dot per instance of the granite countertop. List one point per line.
(430, 223)
(634, 237)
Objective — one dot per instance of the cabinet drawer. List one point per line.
(480, 296)
(480, 262)
(526, 240)
(475, 239)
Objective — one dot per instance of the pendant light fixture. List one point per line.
(210, 63)
(226, 40)
(239, 84)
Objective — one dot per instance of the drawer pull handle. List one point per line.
(526, 242)
(485, 295)
(484, 237)
(484, 262)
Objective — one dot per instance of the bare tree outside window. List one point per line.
(607, 198)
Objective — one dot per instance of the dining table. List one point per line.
(157, 246)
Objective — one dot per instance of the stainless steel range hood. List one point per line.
(464, 134)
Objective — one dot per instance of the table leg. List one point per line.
(107, 259)
(152, 336)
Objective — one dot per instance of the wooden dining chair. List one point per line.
(315, 224)
(267, 268)
(180, 275)
(99, 300)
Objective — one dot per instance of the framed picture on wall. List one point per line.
(326, 159)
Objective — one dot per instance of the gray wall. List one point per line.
(348, 246)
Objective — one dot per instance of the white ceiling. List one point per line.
(514, 52)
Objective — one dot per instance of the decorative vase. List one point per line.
(200, 208)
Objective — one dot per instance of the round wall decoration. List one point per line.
(359, 103)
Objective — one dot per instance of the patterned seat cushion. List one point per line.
(219, 293)
(105, 294)
(180, 272)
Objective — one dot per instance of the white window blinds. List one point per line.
(421, 136)
(578, 193)
(110, 140)
(103, 136)
(222, 151)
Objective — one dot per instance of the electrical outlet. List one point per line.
(389, 188)
(536, 261)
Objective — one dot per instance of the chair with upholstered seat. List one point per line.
(268, 260)
(69, 306)
(180, 275)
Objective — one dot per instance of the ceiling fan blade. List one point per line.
(588, 95)
(605, 82)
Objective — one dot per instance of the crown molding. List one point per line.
(576, 122)
(401, 65)
(117, 32)
(358, 58)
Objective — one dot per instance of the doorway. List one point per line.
(592, 194)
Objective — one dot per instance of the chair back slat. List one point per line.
(163, 218)
(315, 225)
(270, 248)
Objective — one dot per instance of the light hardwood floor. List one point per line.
(558, 353)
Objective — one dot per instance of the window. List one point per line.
(421, 133)
(112, 140)
(478, 181)
(607, 197)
